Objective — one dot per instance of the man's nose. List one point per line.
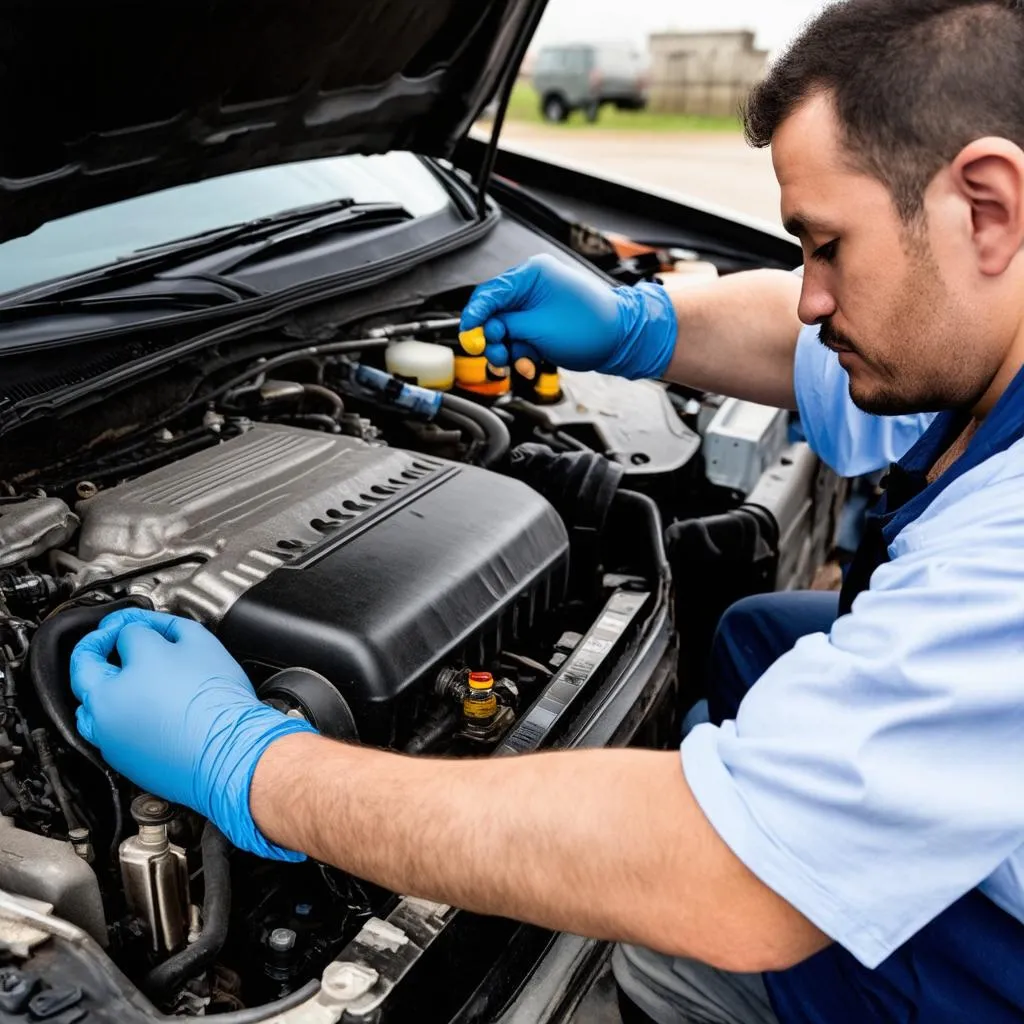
(816, 302)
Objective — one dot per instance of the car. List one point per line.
(232, 259)
(585, 76)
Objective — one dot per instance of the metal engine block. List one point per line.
(230, 516)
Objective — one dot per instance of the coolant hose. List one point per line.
(175, 971)
(49, 668)
(496, 436)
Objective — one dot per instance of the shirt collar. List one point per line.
(909, 490)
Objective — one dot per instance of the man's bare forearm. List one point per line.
(609, 844)
(737, 335)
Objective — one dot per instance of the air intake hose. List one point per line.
(580, 485)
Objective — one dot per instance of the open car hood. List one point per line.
(108, 99)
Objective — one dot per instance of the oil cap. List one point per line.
(151, 810)
(481, 702)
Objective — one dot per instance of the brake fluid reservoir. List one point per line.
(430, 366)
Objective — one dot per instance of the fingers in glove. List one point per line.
(86, 725)
(90, 663)
(495, 332)
(139, 640)
(525, 359)
(509, 291)
(170, 627)
(497, 355)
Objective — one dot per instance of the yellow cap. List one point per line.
(548, 386)
(474, 341)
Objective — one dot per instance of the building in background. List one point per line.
(703, 73)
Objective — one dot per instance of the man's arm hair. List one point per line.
(737, 335)
(608, 844)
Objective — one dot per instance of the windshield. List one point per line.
(91, 239)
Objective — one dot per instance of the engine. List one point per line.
(372, 566)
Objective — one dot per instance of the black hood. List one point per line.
(111, 99)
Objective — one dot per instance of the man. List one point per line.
(843, 843)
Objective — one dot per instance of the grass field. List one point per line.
(525, 106)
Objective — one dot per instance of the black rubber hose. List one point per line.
(330, 397)
(496, 433)
(442, 723)
(581, 485)
(175, 971)
(465, 424)
(49, 659)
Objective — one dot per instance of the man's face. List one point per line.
(895, 301)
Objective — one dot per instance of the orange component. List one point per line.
(489, 389)
(625, 247)
(480, 680)
(472, 374)
(470, 370)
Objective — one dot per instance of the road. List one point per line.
(718, 167)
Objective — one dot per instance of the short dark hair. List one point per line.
(913, 82)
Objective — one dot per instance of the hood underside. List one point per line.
(109, 100)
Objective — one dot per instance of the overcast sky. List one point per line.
(774, 21)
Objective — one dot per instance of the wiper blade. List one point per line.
(250, 237)
(242, 231)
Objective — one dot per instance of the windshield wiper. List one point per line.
(244, 229)
(252, 238)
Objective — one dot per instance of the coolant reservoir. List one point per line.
(430, 366)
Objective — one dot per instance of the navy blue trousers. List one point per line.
(966, 967)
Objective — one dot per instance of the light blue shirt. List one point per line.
(875, 775)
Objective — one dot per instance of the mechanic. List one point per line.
(844, 841)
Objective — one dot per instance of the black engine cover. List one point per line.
(449, 575)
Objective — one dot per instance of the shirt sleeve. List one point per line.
(850, 441)
(872, 776)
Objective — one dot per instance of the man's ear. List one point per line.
(989, 176)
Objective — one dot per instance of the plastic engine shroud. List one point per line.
(370, 565)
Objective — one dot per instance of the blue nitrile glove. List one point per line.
(545, 309)
(179, 717)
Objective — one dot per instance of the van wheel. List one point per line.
(554, 109)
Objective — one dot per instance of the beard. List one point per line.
(881, 396)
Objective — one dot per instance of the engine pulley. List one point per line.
(311, 695)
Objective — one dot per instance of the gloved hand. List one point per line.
(178, 717)
(545, 309)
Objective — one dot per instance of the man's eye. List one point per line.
(827, 253)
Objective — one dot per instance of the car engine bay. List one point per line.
(405, 546)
